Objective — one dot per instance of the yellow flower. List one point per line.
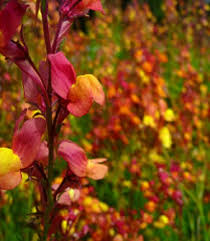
(162, 222)
(164, 219)
(165, 137)
(169, 115)
(64, 225)
(104, 207)
(149, 121)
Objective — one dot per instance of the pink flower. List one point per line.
(75, 157)
(177, 196)
(78, 162)
(25, 146)
(79, 92)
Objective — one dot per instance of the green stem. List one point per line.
(50, 173)
(49, 122)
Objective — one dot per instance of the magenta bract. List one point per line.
(10, 19)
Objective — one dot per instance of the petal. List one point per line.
(82, 94)
(79, 106)
(97, 160)
(31, 92)
(9, 161)
(91, 4)
(91, 84)
(26, 141)
(10, 180)
(75, 156)
(95, 170)
(10, 19)
(42, 155)
(62, 73)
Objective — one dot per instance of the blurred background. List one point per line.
(153, 59)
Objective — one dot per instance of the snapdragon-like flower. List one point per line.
(78, 162)
(25, 147)
(78, 92)
(76, 8)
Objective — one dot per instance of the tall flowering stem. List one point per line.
(55, 91)
(49, 122)
(44, 11)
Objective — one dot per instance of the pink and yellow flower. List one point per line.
(79, 92)
(78, 162)
(25, 146)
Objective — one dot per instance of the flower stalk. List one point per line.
(50, 89)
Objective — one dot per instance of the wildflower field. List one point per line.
(104, 120)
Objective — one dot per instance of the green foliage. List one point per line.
(13, 217)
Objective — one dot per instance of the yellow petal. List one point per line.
(91, 85)
(9, 161)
